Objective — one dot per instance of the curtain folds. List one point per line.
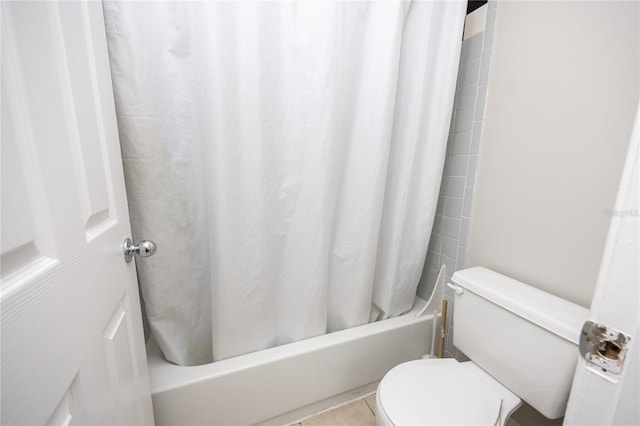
(285, 156)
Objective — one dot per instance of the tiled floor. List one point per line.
(360, 412)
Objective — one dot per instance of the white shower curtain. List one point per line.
(285, 156)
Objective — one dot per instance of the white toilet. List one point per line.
(523, 345)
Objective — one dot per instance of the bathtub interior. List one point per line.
(284, 384)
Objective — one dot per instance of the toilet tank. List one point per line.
(525, 338)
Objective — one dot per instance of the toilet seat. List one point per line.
(443, 391)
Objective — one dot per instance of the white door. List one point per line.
(600, 395)
(71, 332)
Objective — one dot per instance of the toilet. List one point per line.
(522, 344)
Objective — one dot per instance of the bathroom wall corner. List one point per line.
(450, 234)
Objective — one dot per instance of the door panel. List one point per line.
(598, 396)
(88, 138)
(71, 334)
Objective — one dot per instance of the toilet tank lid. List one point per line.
(550, 312)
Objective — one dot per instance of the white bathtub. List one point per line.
(285, 384)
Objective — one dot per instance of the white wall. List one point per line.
(562, 94)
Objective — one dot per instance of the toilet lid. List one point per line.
(437, 393)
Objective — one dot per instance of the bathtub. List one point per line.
(284, 384)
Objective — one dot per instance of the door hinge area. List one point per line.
(604, 348)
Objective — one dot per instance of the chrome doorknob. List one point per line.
(144, 248)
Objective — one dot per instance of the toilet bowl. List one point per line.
(522, 344)
(442, 392)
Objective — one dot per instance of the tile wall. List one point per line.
(448, 244)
